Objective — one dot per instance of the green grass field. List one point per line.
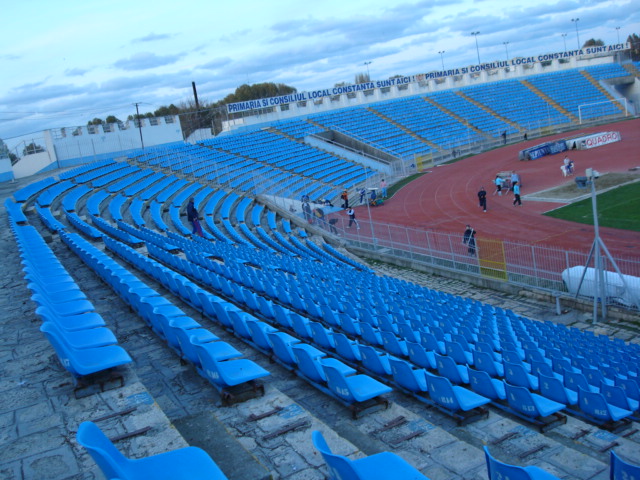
(619, 208)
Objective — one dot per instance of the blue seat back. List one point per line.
(337, 383)
(104, 453)
(520, 399)
(407, 377)
(481, 383)
(621, 470)
(441, 391)
(340, 467)
(499, 471)
(374, 361)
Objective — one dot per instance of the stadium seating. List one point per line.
(381, 466)
(189, 463)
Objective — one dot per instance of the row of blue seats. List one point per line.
(380, 466)
(327, 374)
(311, 361)
(83, 343)
(218, 363)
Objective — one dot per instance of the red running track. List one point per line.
(446, 199)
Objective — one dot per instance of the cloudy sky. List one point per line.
(66, 62)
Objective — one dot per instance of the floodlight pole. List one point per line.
(597, 243)
(139, 124)
(598, 246)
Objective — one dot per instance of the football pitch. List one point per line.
(618, 208)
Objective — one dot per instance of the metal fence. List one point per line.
(520, 264)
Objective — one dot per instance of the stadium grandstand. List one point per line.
(272, 338)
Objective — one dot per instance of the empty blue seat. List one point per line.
(393, 345)
(453, 397)
(458, 353)
(190, 463)
(595, 405)
(530, 404)
(621, 470)
(429, 341)
(370, 334)
(486, 362)
(576, 380)
(259, 334)
(322, 336)
(516, 374)
(381, 466)
(347, 349)
(487, 386)
(457, 374)
(282, 343)
(499, 471)
(552, 387)
(412, 379)
(85, 361)
(617, 396)
(349, 387)
(226, 373)
(71, 322)
(86, 338)
(189, 338)
(309, 362)
(421, 356)
(374, 360)
(301, 325)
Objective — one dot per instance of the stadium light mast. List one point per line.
(366, 64)
(139, 124)
(576, 20)
(564, 39)
(506, 47)
(597, 248)
(441, 52)
(618, 33)
(475, 34)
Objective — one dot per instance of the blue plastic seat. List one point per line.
(282, 343)
(453, 397)
(486, 386)
(409, 378)
(630, 387)
(552, 387)
(259, 334)
(485, 361)
(530, 404)
(374, 360)
(457, 374)
(87, 360)
(322, 336)
(189, 338)
(348, 387)
(308, 360)
(226, 373)
(499, 471)
(87, 338)
(190, 463)
(349, 325)
(393, 345)
(420, 356)
(617, 396)
(429, 341)
(301, 325)
(576, 380)
(347, 349)
(381, 466)
(515, 374)
(370, 334)
(458, 353)
(71, 323)
(621, 470)
(595, 405)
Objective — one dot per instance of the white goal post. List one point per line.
(622, 101)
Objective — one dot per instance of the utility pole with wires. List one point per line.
(139, 124)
